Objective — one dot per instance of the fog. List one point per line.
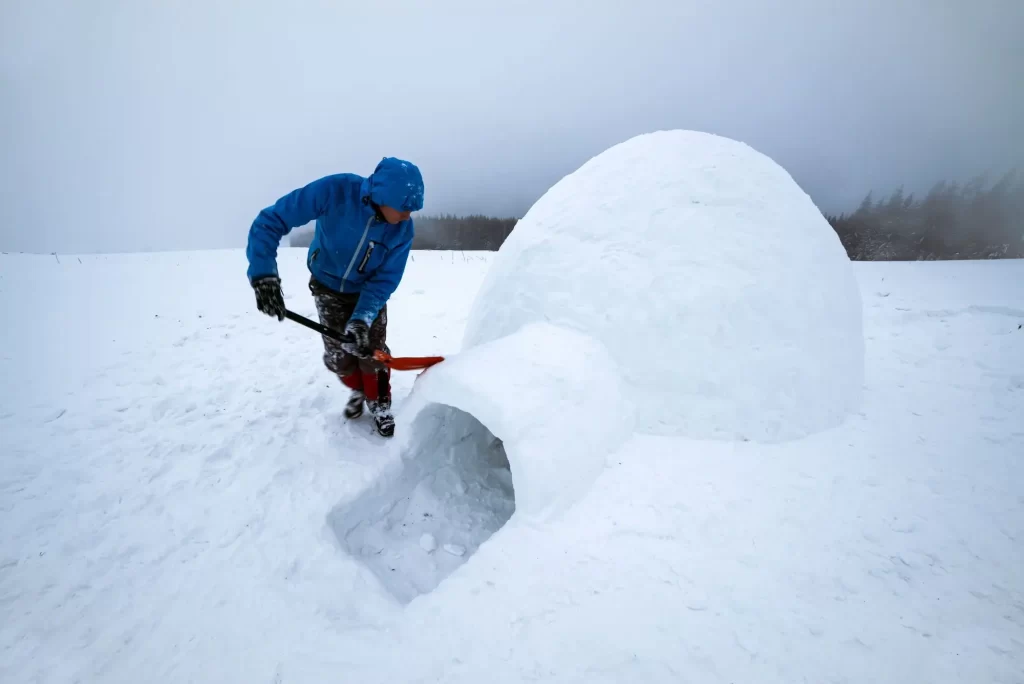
(131, 125)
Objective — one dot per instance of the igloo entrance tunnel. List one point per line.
(679, 283)
(468, 420)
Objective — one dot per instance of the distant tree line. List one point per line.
(975, 220)
(953, 221)
(474, 232)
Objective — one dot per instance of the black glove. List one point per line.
(360, 344)
(269, 299)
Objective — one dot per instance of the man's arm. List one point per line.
(382, 284)
(297, 208)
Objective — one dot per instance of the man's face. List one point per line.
(394, 216)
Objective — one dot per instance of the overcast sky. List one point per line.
(133, 124)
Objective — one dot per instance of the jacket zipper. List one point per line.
(366, 257)
(359, 248)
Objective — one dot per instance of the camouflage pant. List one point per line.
(365, 375)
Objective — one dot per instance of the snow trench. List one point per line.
(515, 429)
(417, 525)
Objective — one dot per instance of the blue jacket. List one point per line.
(353, 249)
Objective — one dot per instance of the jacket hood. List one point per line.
(398, 184)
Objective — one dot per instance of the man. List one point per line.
(364, 231)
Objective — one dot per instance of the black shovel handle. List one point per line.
(313, 325)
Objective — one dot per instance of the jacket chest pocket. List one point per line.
(372, 256)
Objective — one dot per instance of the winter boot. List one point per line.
(382, 417)
(354, 407)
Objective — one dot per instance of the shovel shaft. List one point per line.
(313, 325)
(394, 363)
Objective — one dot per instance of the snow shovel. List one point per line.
(398, 363)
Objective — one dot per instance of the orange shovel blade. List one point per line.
(406, 363)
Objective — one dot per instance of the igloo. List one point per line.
(679, 283)
(723, 295)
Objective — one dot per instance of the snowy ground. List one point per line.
(182, 500)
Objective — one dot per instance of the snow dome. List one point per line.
(722, 294)
(679, 283)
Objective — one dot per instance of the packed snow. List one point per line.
(724, 296)
(454, 484)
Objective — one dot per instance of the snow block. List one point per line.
(712, 279)
(554, 398)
